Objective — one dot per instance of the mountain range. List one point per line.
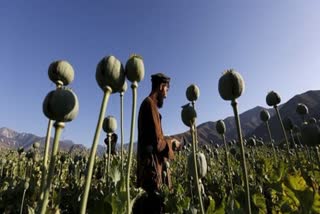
(207, 134)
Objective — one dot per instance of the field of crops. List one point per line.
(275, 186)
(242, 176)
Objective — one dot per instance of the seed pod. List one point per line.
(231, 85)
(252, 142)
(61, 105)
(26, 185)
(36, 145)
(221, 127)
(287, 123)
(124, 87)
(135, 68)
(312, 120)
(110, 72)
(264, 115)
(20, 150)
(110, 124)
(302, 109)
(61, 72)
(273, 98)
(202, 165)
(193, 92)
(188, 115)
(296, 129)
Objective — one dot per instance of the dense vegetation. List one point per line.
(275, 186)
(242, 176)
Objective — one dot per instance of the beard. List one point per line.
(160, 101)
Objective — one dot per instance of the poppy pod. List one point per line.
(252, 142)
(124, 87)
(231, 85)
(61, 105)
(193, 92)
(221, 127)
(264, 115)
(188, 115)
(109, 124)
(302, 109)
(61, 72)
(310, 134)
(273, 98)
(36, 145)
(202, 165)
(135, 68)
(110, 72)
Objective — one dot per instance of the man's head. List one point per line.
(160, 86)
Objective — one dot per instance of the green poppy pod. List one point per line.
(302, 109)
(312, 120)
(273, 98)
(221, 127)
(287, 123)
(61, 72)
(61, 105)
(202, 165)
(264, 115)
(20, 150)
(36, 145)
(135, 68)
(188, 115)
(26, 185)
(251, 142)
(231, 85)
(296, 129)
(124, 87)
(109, 124)
(193, 92)
(110, 72)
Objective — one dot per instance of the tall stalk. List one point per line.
(243, 161)
(109, 158)
(134, 87)
(58, 130)
(194, 153)
(121, 128)
(93, 151)
(283, 131)
(271, 141)
(228, 162)
(45, 158)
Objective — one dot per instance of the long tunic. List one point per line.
(153, 148)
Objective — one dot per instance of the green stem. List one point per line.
(59, 127)
(22, 202)
(244, 166)
(134, 86)
(45, 159)
(93, 151)
(228, 163)
(122, 132)
(196, 179)
(109, 159)
(195, 130)
(284, 132)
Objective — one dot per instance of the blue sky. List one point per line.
(273, 44)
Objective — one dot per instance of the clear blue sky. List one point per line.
(273, 44)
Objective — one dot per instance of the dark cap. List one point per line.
(160, 77)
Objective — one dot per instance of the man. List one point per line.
(153, 148)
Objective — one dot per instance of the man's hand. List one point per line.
(176, 145)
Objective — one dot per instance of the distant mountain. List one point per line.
(251, 123)
(12, 140)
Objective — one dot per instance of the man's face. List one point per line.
(163, 93)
